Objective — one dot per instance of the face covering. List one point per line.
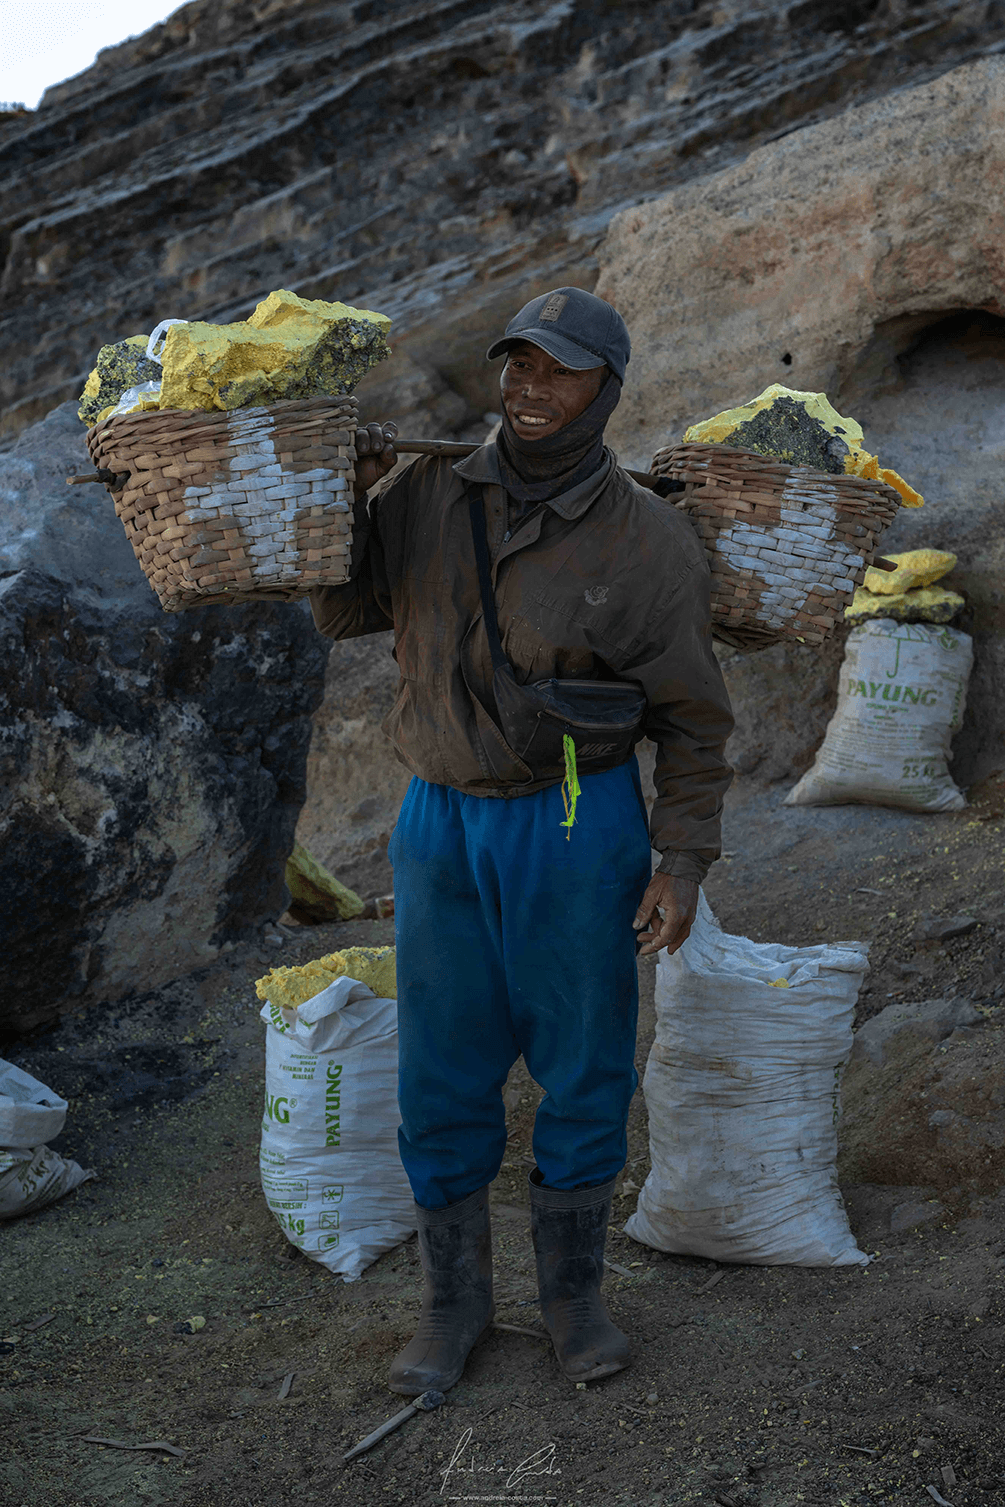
(536, 470)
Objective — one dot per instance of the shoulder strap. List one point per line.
(476, 514)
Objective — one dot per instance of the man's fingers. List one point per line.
(672, 934)
(371, 439)
(647, 905)
(656, 938)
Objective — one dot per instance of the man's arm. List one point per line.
(689, 718)
(363, 604)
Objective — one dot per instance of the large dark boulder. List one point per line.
(152, 765)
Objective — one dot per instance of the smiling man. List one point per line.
(548, 613)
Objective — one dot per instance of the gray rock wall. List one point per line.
(842, 258)
(152, 765)
(440, 161)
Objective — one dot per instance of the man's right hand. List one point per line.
(375, 455)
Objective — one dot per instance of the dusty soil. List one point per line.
(768, 1386)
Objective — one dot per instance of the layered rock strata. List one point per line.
(439, 161)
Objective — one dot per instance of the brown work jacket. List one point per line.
(605, 581)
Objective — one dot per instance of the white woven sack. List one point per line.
(902, 695)
(31, 1175)
(29, 1112)
(330, 1167)
(743, 1092)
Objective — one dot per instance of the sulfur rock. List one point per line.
(316, 895)
(289, 348)
(802, 429)
(917, 567)
(120, 366)
(290, 987)
(923, 604)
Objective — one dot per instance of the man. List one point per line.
(516, 930)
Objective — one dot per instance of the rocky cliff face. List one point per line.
(840, 258)
(151, 765)
(440, 161)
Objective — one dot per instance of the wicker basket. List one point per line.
(787, 545)
(234, 507)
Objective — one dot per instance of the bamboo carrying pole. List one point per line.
(663, 486)
(452, 448)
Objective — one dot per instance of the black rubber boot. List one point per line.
(455, 1246)
(570, 1230)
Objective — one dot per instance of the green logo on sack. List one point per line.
(911, 694)
(333, 1104)
(278, 1108)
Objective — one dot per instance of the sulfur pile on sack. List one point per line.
(802, 429)
(289, 348)
(909, 593)
(290, 987)
(329, 1161)
(901, 696)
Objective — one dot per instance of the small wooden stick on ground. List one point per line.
(423, 1404)
(157, 1444)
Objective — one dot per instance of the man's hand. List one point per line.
(678, 900)
(375, 455)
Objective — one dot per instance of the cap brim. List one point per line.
(567, 351)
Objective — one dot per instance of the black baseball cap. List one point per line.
(577, 328)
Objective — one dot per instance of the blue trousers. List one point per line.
(513, 940)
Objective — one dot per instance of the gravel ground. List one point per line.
(768, 1386)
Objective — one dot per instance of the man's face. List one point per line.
(540, 395)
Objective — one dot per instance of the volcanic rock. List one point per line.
(153, 764)
(941, 928)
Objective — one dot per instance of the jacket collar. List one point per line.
(483, 467)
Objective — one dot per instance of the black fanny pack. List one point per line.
(602, 717)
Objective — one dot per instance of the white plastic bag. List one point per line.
(331, 1172)
(902, 695)
(31, 1175)
(132, 397)
(743, 1092)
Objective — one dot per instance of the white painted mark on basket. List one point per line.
(785, 590)
(266, 523)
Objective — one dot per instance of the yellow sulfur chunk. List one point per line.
(290, 987)
(918, 567)
(119, 367)
(779, 983)
(802, 428)
(291, 347)
(317, 893)
(721, 429)
(925, 604)
(869, 468)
